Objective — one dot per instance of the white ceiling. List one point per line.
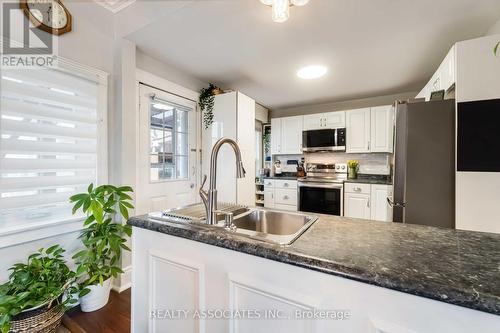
(115, 5)
(371, 47)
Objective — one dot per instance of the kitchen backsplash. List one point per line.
(375, 164)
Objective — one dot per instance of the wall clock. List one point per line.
(47, 15)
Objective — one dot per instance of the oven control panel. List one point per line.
(341, 167)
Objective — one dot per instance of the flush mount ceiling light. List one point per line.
(312, 72)
(281, 8)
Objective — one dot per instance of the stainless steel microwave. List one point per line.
(324, 140)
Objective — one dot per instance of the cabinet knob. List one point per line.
(357, 189)
(286, 197)
(286, 185)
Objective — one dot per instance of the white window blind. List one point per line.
(48, 146)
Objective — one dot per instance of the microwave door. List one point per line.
(317, 140)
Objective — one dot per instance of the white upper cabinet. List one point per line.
(291, 135)
(443, 78)
(358, 131)
(334, 119)
(286, 135)
(313, 121)
(382, 129)
(275, 136)
(324, 120)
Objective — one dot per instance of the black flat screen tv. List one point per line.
(478, 136)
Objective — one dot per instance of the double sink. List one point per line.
(270, 226)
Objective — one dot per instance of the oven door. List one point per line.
(322, 198)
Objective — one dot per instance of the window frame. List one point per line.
(174, 133)
(39, 230)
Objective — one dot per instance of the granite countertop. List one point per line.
(452, 266)
(371, 179)
(282, 177)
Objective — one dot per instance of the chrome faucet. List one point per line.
(210, 198)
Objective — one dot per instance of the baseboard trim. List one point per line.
(124, 282)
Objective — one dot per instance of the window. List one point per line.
(49, 150)
(169, 144)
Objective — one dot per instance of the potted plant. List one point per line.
(352, 167)
(206, 103)
(104, 238)
(32, 300)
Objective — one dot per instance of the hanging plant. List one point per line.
(206, 103)
(495, 50)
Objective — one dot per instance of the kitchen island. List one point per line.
(341, 275)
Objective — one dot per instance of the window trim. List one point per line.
(40, 230)
(174, 145)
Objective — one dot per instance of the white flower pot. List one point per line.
(97, 297)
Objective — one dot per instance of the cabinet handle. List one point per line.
(368, 145)
(286, 185)
(368, 203)
(357, 189)
(286, 197)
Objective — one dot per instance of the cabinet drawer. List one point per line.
(285, 197)
(357, 188)
(286, 184)
(268, 183)
(289, 208)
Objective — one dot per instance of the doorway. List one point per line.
(167, 161)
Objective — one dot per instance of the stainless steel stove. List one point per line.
(322, 190)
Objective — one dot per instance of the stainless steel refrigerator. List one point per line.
(424, 163)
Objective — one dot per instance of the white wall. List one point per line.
(495, 28)
(167, 72)
(341, 105)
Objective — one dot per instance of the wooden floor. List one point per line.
(113, 318)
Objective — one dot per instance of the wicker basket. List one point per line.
(44, 319)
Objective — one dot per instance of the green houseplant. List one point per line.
(206, 103)
(34, 292)
(104, 239)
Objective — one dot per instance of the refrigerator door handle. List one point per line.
(396, 204)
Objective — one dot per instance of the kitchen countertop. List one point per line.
(282, 177)
(453, 266)
(370, 180)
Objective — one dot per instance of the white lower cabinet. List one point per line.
(269, 198)
(365, 201)
(357, 206)
(380, 209)
(280, 194)
(179, 285)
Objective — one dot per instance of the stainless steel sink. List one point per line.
(273, 226)
(277, 227)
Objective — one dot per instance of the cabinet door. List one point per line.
(275, 136)
(291, 135)
(382, 129)
(313, 121)
(269, 198)
(334, 119)
(358, 131)
(380, 208)
(357, 206)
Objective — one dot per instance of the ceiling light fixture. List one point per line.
(281, 8)
(312, 72)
